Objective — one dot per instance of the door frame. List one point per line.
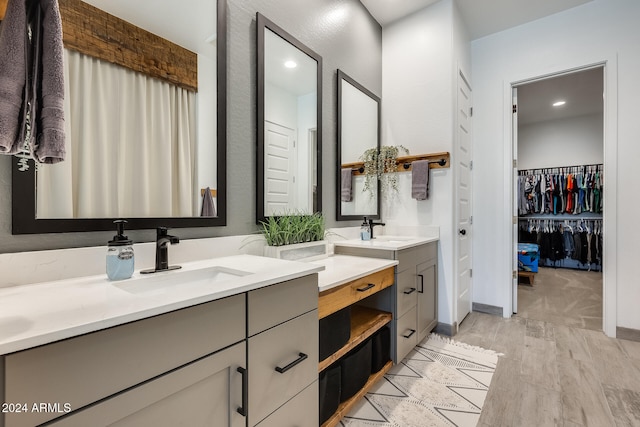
(610, 148)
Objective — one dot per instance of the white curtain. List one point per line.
(131, 146)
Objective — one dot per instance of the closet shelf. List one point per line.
(437, 161)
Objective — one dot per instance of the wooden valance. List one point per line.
(437, 161)
(92, 31)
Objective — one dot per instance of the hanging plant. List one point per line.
(382, 165)
(370, 159)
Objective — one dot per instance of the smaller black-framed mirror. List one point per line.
(358, 131)
(289, 124)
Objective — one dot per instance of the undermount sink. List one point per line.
(163, 281)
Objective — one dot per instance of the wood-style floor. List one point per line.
(557, 369)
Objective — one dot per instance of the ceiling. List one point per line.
(582, 91)
(482, 17)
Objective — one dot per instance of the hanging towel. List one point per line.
(420, 179)
(13, 34)
(208, 209)
(345, 186)
(49, 136)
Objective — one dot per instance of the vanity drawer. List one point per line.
(273, 305)
(407, 291)
(280, 347)
(406, 334)
(343, 296)
(90, 367)
(408, 258)
(301, 411)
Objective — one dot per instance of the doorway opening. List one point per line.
(558, 145)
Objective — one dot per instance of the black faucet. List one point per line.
(163, 240)
(371, 224)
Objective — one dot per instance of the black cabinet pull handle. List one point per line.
(245, 390)
(410, 291)
(413, 331)
(366, 288)
(421, 290)
(301, 357)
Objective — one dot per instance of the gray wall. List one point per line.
(341, 31)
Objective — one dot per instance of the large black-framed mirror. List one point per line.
(28, 219)
(289, 124)
(358, 131)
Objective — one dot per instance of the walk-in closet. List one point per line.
(560, 191)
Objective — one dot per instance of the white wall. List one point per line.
(602, 30)
(420, 56)
(573, 141)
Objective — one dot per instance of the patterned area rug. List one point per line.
(440, 383)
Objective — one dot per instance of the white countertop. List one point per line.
(41, 313)
(340, 269)
(386, 242)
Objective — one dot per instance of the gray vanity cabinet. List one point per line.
(212, 364)
(95, 367)
(427, 292)
(283, 354)
(416, 295)
(204, 393)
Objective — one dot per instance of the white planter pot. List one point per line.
(307, 251)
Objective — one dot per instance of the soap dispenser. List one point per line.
(120, 260)
(365, 231)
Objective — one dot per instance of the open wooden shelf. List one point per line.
(404, 162)
(364, 323)
(346, 406)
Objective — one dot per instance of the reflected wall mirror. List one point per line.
(289, 130)
(358, 130)
(145, 132)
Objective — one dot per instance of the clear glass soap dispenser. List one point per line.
(120, 259)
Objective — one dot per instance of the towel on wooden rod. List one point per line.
(208, 208)
(420, 179)
(345, 185)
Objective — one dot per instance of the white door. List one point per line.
(279, 169)
(514, 197)
(463, 210)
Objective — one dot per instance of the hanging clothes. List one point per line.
(573, 190)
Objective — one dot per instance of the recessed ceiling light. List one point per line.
(559, 103)
(290, 64)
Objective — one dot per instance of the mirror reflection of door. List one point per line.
(290, 123)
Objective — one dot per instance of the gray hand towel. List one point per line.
(420, 179)
(208, 209)
(50, 138)
(345, 185)
(13, 34)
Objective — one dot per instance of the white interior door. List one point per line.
(463, 188)
(279, 169)
(514, 249)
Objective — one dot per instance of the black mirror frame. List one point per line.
(263, 23)
(23, 197)
(342, 76)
